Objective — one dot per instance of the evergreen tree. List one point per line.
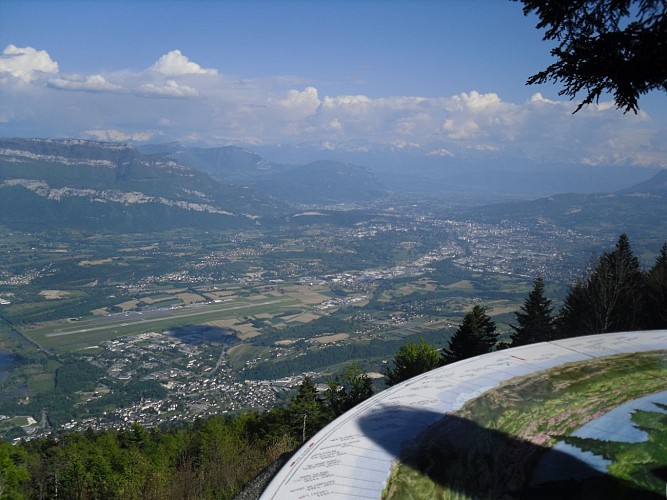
(306, 414)
(410, 360)
(476, 335)
(572, 319)
(347, 391)
(609, 299)
(535, 322)
(656, 293)
(14, 475)
(604, 46)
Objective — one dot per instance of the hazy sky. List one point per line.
(434, 77)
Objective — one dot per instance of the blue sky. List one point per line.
(436, 77)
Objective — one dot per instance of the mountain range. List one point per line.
(117, 187)
(318, 182)
(639, 210)
(107, 186)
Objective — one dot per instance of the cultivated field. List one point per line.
(66, 336)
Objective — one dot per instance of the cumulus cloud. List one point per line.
(335, 124)
(93, 83)
(538, 98)
(205, 106)
(175, 63)
(349, 101)
(170, 88)
(475, 116)
(461, 129)
(413, 124)
(476, 102)
(26, 63)
(300, 104)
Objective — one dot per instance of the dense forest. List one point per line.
(209, 458)
(217, 456)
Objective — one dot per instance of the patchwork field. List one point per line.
(327, 339)
(462, 285)
(66, 336)
(496, 308)
(421, 285)
(245, 329)
(242, 353)
(98, 262)
(54, 294)
(309, 295)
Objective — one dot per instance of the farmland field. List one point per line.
(66, 336)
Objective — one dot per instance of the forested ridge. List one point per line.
(217, 456)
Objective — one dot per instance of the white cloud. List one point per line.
(440, 152)
(476, 102)
(485, 147)
(93, 83)
(300, 104)
(118, 136)
(461, 129)
(175, 63)
(335, 124)
(218, 109)
(476, 116)
(401, 144)
(348, 101)
(170, 88)
(26, 63)
(603, 106)
(413, 125)
(538, 98)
